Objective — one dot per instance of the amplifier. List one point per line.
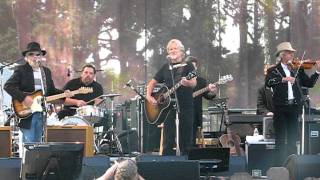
(82, 134)
(260, 156)
(6, 142)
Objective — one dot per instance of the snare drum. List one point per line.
(90, 113)
(75, 120)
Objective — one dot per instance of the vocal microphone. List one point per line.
(128, 84)
(68, 72)
(38, 60)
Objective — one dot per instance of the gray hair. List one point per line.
(279, 57)
(178, 42)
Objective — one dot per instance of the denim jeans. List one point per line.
(34, 134)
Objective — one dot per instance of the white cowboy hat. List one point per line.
(284, 46)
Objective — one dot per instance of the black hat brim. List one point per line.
(25, 52)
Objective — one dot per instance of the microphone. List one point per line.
(38, 61)
(68, 72)
(128, 84)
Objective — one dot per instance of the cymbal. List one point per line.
(110, 95)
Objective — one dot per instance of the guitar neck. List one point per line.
(59, 96)
(173, 89)
(201, 91)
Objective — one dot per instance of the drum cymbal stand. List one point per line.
(110, 141)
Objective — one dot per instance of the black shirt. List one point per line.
(75, 84)
(184, 93)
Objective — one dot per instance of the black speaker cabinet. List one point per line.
(169, 170)
(260, 156)
(312, 138)
(6, 142)
(211, 159)
(303, 166)
(82, 134)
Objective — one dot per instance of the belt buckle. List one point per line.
(290, 102)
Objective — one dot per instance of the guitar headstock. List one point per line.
(191, 75)
(224, 79)
(85, 90)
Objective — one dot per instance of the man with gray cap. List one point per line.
(287, 99)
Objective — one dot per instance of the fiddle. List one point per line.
(302, 64)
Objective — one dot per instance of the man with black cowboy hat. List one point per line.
(287, 99)
(28, 78)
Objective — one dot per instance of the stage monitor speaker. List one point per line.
(303, 166)
(211, 159)
(313, 138)
(82, 134)
(6, 142)
(10, 168)
(169, 170)
(94, 167)
(149, 157)
(129, 141)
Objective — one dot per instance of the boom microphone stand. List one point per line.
(177, 107)
(140, 114)
(43, 100)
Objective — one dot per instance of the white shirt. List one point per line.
(287, 72)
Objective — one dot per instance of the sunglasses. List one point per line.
(34, 54)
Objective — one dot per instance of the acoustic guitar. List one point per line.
(159, 111)
(222, 80)
(23, 111)
(231, 140)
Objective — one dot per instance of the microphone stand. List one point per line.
(140, 114)
(43, 101)
(305, 103)
(177, 107)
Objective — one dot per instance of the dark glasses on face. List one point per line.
(34, 54)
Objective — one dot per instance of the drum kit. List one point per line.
(101, 118)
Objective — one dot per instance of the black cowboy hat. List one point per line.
(33, 46)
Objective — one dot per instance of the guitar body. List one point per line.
(157, 113)
(232, 141)
(23, 111)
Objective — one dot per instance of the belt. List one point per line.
(291, 102)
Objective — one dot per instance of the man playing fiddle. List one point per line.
(287, 99)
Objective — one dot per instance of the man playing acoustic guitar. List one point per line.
(179, 69)
(26, 79)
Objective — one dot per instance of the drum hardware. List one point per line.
(90, 113)
(108, 142)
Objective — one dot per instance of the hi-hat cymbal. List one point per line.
(110, 95)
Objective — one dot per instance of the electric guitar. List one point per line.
(154, 112)
(222, 80)
(23, 111)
